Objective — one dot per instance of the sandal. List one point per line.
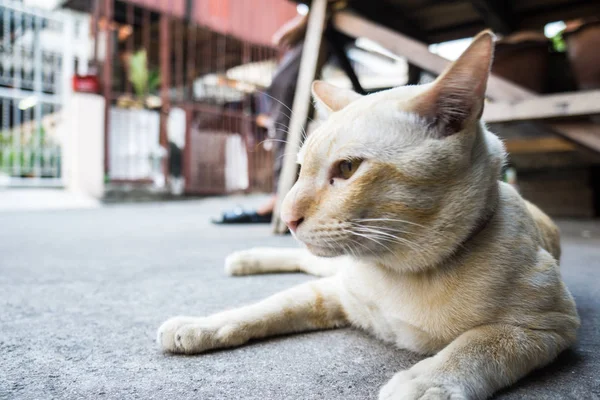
(241, 216)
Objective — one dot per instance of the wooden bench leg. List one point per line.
(302, 104)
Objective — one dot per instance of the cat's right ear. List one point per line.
(329, 98)
(457, 96)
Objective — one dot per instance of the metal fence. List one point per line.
(198, 115)
(33, 82)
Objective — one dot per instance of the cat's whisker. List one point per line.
(268, 140)
(390, 220)
(360, 244)
(428, 230)
(385, 236)
(280, 102)
(368, 237)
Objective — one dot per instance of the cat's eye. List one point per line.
(347, 168)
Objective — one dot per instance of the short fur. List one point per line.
(422, 246)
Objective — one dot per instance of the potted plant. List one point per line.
(523, 59)
(135, 151)
(560, 76)
(582, 38)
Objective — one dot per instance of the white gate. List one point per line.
(34, 81)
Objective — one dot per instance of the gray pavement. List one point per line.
(82, 293)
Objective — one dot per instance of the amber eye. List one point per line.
(347, 168)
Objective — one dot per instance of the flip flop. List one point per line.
(240, 216)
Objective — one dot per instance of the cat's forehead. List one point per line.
(374, 125)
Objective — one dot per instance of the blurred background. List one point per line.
(149, 99)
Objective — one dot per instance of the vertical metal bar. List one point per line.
(187, 149)
(107, 80)
(165, 68)
(67, 72)
(179, 40)
(6, 45)
(129, 45)
(37, 90)
(18, 65)
(8, 137)
(191, 60)
(6, 103)
(146, 27)
(95, 30)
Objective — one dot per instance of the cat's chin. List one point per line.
(322, 251)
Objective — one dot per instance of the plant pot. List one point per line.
(522, 58)
(559, 78)
(583, 48)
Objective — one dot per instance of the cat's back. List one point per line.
(549, 233)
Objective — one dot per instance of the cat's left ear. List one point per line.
(329, 98)
(457, 96)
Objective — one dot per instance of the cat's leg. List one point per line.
(311, 306)
(479, 362)
(262, 260)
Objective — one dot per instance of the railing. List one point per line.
(33, 87)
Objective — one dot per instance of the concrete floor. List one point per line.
(82, 293)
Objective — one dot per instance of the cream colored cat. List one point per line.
(432, 253)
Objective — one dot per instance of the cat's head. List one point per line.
(401, 173)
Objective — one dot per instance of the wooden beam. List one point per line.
(551, 144)
(498, 89)
(496, 14)
(418, 53)
(586, 134)
(301, 107)
(544, 107)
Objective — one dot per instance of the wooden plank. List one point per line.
(584, 133)
(498, 89)
(543, 107)
(301, 107)
(418, 54)
(551, 144)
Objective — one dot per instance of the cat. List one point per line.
(417, 242)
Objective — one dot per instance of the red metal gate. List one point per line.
(213, 61)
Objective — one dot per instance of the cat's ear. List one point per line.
(329, 98)
(457, 96)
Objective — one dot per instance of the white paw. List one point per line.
(418, 383)
(242, 262)
(191, 335)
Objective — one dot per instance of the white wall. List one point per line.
(83, 144)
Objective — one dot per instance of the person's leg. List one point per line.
(268, 206)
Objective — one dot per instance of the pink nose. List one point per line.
(292, 222)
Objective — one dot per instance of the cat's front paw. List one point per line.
(420, 389)
(189, 335)
(244, 262)
(420, 383)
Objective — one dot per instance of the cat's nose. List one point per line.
(292, 222)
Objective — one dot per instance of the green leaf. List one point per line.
(558, 42)
(138, 72)
(153, 81)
